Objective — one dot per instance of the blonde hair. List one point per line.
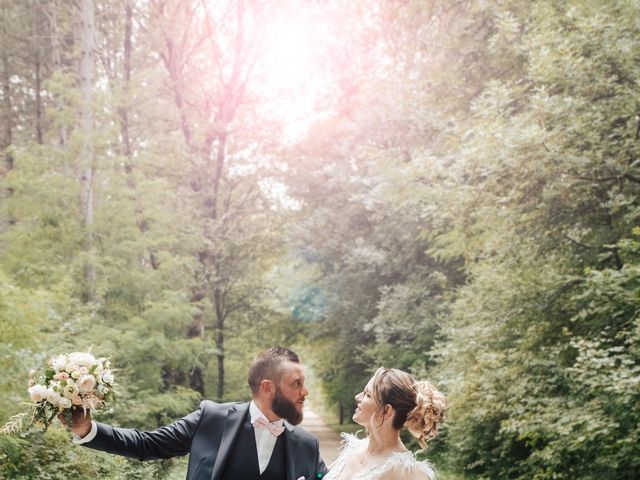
(418, 405)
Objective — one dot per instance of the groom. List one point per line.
(230, 441)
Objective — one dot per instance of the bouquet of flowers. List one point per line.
(70, 381)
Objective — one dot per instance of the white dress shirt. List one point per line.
(265, 440)
(78, 440)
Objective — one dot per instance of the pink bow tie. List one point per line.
(272, 427)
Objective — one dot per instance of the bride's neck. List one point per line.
(384, 441)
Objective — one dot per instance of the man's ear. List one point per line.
(267, 387)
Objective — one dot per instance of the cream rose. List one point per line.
(53, 397)
(82, 359)
(65, 403)
(86, 383)
(38, 393)
(107, 377)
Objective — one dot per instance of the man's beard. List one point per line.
(285, 408)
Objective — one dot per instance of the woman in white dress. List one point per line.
(392, 399)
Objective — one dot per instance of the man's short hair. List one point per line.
(267, 365)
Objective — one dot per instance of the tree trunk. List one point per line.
(124, 110)
(7, 109)
(87, 32)
(38, 92)
(220, 360)
(7, 139)
(219, 309)
(56, 60)
(37, 40)
(196, 375)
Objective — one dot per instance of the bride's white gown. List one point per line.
(398, 462)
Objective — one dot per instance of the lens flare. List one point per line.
(292, 62)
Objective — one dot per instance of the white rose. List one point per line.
(64, 403)
(86, 383)
(107, 377)
(53, 397)
(38, 393)
(82, 359)
(59, 363)
(83, 370)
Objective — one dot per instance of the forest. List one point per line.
(449, 187)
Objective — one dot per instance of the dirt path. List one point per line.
(329, 440)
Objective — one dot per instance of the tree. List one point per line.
(86, 159)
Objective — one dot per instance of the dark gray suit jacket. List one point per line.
(208, 435)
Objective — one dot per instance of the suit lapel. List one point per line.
(235, 417)
(291, 446)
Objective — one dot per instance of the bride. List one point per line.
(391, 400)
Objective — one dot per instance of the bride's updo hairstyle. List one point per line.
(418, 405)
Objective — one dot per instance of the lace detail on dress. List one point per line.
(399, 461)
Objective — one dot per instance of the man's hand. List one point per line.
(80, 422)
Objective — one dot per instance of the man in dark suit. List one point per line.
(229, 441)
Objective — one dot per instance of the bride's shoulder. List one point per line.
(349, 445)
(351, 441)
(406, 466)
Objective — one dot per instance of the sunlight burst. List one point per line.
(292, 65)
